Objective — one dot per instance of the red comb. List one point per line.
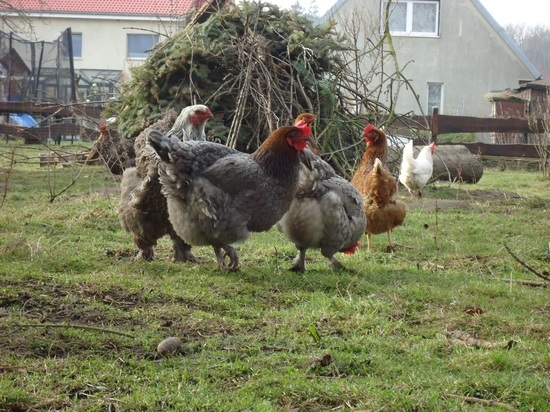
(368, 128)
(432, 144)
(306, 131)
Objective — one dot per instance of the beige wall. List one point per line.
(103, 38)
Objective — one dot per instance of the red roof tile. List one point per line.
(126, 7)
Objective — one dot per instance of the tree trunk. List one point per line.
(453, 162)
(456, 163)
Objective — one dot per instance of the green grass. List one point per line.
(392, 329)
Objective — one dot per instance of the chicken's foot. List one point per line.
(220, 257)
(335, 263)
(146, 254)
(391, 246)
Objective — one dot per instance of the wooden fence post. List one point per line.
(435, 124)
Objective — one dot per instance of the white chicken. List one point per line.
(327, 212)
(416, 173)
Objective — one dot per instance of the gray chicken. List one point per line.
(142, 207)
(327, 213)
(218, 195)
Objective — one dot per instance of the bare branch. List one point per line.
(469, 399)
(526, 266)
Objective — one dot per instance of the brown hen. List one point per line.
(378, 187)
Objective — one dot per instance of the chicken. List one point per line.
(217, 195)
(327, 212)
(142, 207)
(117, 153)
(378, 188)
(416, 173)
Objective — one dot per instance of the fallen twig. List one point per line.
(457, 337)
(526, 282)
(470, 399)
(92, 328)
(526, 266)
(11, 368)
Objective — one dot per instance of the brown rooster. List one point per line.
(378, 187)
(217, 195)
(327, 212)
(142, 208)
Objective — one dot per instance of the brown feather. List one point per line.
(377, 148)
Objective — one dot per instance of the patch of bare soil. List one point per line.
(39, 318)
(440, 204)
(464, 200)
(10, 186)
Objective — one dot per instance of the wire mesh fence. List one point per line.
(41, 71)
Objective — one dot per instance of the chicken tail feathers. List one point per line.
(160, 145)
(408, 151)
(377, 166)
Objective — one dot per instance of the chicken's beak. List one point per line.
(207, 116)
(370, 136)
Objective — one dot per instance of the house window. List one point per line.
(140, 46)
(435, 97)
(77, 45)
(413, 17)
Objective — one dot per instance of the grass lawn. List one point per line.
(445, 323)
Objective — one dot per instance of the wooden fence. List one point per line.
(440, 124)
(81, 119)
(465, 124)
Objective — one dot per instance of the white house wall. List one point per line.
(469, 57)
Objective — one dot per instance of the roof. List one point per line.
(542, 84)
(505, 96)
(508, 40)
(124, 7)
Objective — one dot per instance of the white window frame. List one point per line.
(75, 36)
(409, 17)
(142, 54)
(441, 95)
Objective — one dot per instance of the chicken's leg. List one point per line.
(368, 242)
(391, 246)
(335, 263)
(299, 262)
(233, 257)
(182, 251)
